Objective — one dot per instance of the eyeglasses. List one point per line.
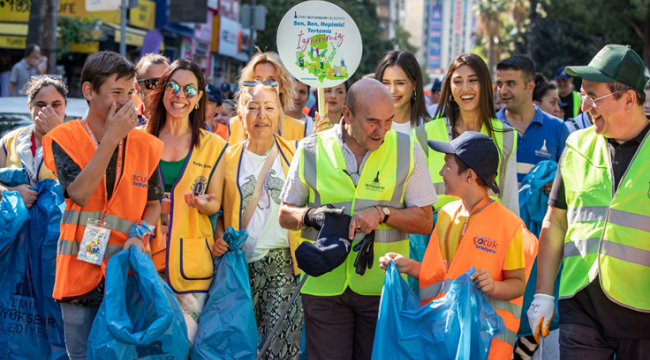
(53, 77)
(173, 88)
(253, 83)
(592, 102)
(150, 84)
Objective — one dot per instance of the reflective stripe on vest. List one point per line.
(381, 182)
(504, 136)
(431, 291)
(79, 217)
(608, 229)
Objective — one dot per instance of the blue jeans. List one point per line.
(77, 322)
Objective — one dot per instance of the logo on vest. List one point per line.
(140, 180)
(485, 244)
(543, 152)
(199, 186)
(375, 185)
(201, 165)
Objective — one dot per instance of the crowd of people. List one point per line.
(170, 175)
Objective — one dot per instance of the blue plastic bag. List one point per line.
(31, 325)
(460, 325)
(227, 327)
(140, 317)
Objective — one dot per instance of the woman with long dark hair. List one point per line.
(192, 173)
(400, 72)
(466, 104)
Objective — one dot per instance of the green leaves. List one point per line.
(73, 30)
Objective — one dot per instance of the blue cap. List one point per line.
(561, 73)
(225, 87)
(214, 94)
(476, 150)
(437, 85)
(329, 251)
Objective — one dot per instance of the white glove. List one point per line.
(540, 314)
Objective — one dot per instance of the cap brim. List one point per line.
(588, 73)
(441, 146)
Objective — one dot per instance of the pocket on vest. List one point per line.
(196, 259)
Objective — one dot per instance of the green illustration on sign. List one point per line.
(319, 59)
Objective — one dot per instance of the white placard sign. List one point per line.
(102, 5)
(319, 43)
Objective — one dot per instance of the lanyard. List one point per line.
(118, 170)
(480, 206)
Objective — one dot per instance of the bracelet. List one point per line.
(381, 213)
(220, 233)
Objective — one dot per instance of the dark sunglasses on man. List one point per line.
(172, 88)
(150, 84)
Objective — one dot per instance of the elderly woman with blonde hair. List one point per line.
(256, 170)
(266, 67)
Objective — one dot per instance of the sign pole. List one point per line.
(322, 105)
(123, 8)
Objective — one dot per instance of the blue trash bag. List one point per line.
(32, 325)
(459, 325)
(417, 248)
(140, 317)
(227, 327)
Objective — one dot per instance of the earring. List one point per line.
(414, 95)
(451, 98)
(196, 106)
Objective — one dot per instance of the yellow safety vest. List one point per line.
(292, 129)
(13, 160)
(382, 182)
(608, 230)
(186, 254)
(232, 200)
(503, 135)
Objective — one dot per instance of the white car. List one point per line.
(14, 112)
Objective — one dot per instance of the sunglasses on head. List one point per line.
(150, 84)
(53, 77)
(253, 83)
(173, 88)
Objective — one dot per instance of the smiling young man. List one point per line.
(597, 222)
(111, 185)
(380, 178)
(541, 136)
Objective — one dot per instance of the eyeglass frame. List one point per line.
(184, 88)
(591, 101)
(253, 83)
(51, 76)
(149, 80)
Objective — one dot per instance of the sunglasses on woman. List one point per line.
(150, 84)
(173, 88)
(53, 77)
(253, 83)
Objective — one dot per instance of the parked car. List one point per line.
(14, 112)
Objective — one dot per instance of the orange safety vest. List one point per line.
(142, 154)
(222, 130)
(483, 246)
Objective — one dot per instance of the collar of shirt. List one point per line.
(353, 169)
(539, 116)
(635, 140)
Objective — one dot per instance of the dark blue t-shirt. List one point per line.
(544, 139)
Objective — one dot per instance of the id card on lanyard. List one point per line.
(480, 206)
(97, 232)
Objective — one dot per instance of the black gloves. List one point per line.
(366, 254)
(315, 217)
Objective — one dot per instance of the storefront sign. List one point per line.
(319, 43)
(144, 16)
(228, 35)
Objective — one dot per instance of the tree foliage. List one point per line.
(73, 30)
(363, 12)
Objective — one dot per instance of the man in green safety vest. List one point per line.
(380, 178)
(597, 222)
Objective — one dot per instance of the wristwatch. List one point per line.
(386, 212)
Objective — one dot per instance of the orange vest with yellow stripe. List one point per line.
(232, 201)
(292, 129)
(484, 246)
(142, 153)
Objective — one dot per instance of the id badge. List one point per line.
(94, 241)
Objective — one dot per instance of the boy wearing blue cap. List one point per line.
(475, 231)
